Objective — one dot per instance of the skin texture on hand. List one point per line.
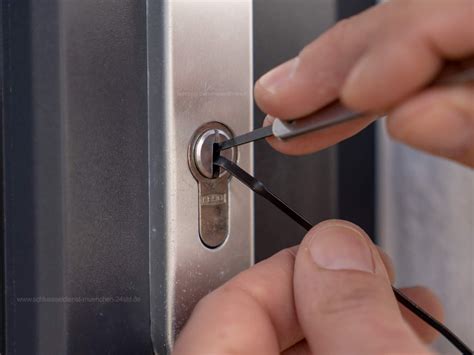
(330, 295)
(379, 61)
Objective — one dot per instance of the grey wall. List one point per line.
(426, 224)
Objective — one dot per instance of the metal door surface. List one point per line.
(102, 245)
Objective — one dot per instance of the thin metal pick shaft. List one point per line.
(336, 113)
(259, 188)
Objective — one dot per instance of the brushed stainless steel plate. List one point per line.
(199, 71)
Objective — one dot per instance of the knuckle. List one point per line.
(342, 29)
(341, 32)
(232, 293)
(363, 298)
(288, 254)
(342, 302)
(344, 26)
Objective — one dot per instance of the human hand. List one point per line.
(330, 295)
(377, 62)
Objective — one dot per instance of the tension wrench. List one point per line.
(336, 113)
(259, 188)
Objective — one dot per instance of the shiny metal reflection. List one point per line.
(213, 192)
(199, 56)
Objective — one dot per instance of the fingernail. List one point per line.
(268, 120)
(340, 247)
(278, 76)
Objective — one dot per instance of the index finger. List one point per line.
(373, 61)
(314, 78)
(252, 314)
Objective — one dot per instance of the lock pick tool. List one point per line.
(336, 113)
(330, 115)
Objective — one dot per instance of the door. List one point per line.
(109, 237)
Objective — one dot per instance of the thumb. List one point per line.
(343, 297)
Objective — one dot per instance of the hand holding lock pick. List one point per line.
(332, 294)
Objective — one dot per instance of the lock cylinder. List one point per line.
(204, 152)
(213, 186)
